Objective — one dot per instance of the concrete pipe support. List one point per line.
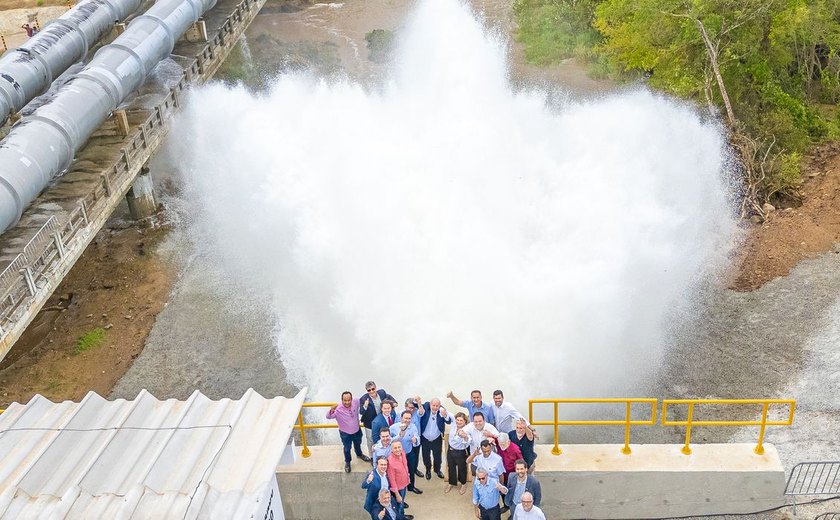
(43, 145)
(29, 70)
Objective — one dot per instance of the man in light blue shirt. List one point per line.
(383, 447)
(486, 496)
(475, 404)
(406, 433)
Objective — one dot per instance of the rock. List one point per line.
(768, 208)
(128, 316)
(108, 285)
(90, 315)
(756, 219)
(108, 326)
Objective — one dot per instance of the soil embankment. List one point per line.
(97, 321)
(791, 235)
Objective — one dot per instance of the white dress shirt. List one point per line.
(534, 514)
(506, 417)
(476, 436)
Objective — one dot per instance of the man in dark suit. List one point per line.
(384, 420)
(370, 406)
(385, 510)
(520, 482)
(433, 420)
(376, 480)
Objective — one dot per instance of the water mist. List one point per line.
(446, 232)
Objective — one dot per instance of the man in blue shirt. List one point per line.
(486, 493)
(475, 404)
(406, 433)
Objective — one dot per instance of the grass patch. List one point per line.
(89, 340)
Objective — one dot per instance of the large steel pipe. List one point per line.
(29, 70)
(43, 145)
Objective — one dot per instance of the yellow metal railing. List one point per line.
(627, 422)
(763, 422)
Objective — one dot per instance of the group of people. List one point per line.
(31, 30)
(494, 441)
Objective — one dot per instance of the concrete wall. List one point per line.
(586, 481)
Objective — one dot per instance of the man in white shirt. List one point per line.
(505, 413)
(526, 510)
(479, 430)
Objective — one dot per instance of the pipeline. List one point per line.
(29, 70)
(44, 144)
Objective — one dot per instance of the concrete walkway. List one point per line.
(433, 504)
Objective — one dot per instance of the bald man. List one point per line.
(433, 421)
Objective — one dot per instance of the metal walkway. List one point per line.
(53, 232)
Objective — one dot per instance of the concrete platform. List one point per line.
(586, 481)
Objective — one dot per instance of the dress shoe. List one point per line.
(418, 473)
(439, 474)
(408, 517)
(504, 510)
(405, 504)
(347, 467)
(364, 458)
(415, 490)
(428, 475)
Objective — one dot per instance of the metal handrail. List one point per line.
(828, 516)
(763, 422)
(302, 426)
(627, 421)
(31, 264)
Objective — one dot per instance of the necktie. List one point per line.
(390, 422)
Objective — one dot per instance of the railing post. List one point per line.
(759, 449)
(626, 449)
(30, 280)
(556, 450)
(59, 244)
(305, 452)
(106, 183)
(685, 448)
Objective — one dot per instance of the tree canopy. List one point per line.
(770, 66)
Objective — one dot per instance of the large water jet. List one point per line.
(448, 232)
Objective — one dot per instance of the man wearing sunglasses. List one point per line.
(370, 405)
(486, 493)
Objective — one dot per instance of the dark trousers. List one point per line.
(494, 513)
(347, 439)
(431, 450)
(456, 466)
(413, 459)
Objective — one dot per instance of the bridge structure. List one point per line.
(54, 230)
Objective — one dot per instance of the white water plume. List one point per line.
(448, 232)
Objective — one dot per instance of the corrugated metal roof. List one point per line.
(144, 458)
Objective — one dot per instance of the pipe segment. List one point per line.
(44, 144)
(28, 71)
